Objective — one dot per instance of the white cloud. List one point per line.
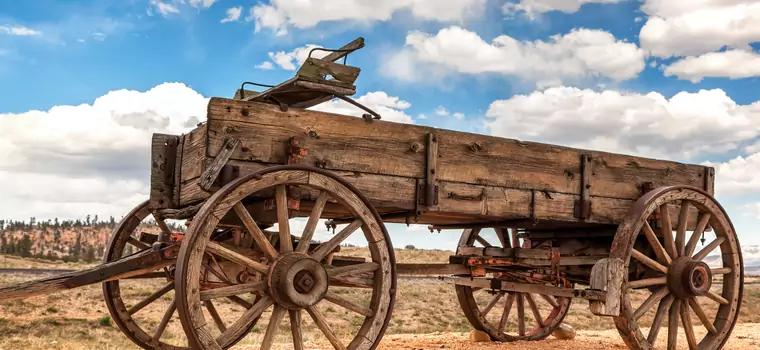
(534, 8)
(737, 176)
(441, 111)
(233, 14)
(279, 15)
(581, 53)
(694, 27)
(266, 65)
(165, 9)
(19, 31)
(734, 64)
(390, 108)
(200, 3)
(89, 158)
(458, 115)
(289, 60)
(682, 127)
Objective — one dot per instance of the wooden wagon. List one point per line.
(610, 229)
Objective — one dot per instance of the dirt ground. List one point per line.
(745, 336)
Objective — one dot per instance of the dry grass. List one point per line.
(78, 318)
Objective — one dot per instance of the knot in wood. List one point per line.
(415, 146)
(475, 147)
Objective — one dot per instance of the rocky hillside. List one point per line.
(77, 240)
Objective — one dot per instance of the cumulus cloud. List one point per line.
(734, 64)
(682, 127)
(533, 8)
(581, 53)
(695, 27)
(280, 15)
(737, 176)
(390, 108)
(166, 9)
(233, 14)
(89, 158)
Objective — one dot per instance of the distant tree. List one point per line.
(76, 250)
(56, 224)
(89, 255)
(25, 246)
(410, 247)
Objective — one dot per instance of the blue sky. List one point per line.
(71, 53)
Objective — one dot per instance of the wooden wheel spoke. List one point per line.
(253, 228)
(490, 305)
(673, 324)
(701, 225)
(658, 318)
(667, 230)
(139, 245)
(353, 269)
(295, 329)
(231, 255)
(215, 315)
(646, 282)
(648, 261)
(483, 241)
(709, 248)
(687, 326)
(235, 289)
(503, 236)
(702, 316)
(534, 309)
(505, 313)
(336, 240)
(165, 320)
(321, 323)
(714, 296)
(338, 300)
(653, 298)
(721, 270)
(659, 250)
(520, 315)
(311, 225)
(549, 299)
(274, 323)
(351, 281)
(238, 300)
(240, 326)
(151, 298)
(283, 219)
(683, 219)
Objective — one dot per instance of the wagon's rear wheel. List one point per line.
(302, 289)
(675, 286)
(518, 316)
(143, 308)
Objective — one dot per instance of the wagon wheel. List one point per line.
(137, 303)
(546, 312)
(298, 279)
(677, 279)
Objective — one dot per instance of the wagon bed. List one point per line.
(439, 177)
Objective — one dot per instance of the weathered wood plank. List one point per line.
(163, 157)
(607, 275)
(350, 144)
(193, 153)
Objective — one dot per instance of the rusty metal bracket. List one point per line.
(427, 188)
(582, 206)
(210, 175)
(294, 150)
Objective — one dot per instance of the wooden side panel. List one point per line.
(347, 143)
(162, 180)
(193, 153)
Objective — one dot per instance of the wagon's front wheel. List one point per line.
(301, 285)
(508, 316)
(694, 293)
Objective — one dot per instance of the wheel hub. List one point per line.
(689, 278)
(296, 281)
